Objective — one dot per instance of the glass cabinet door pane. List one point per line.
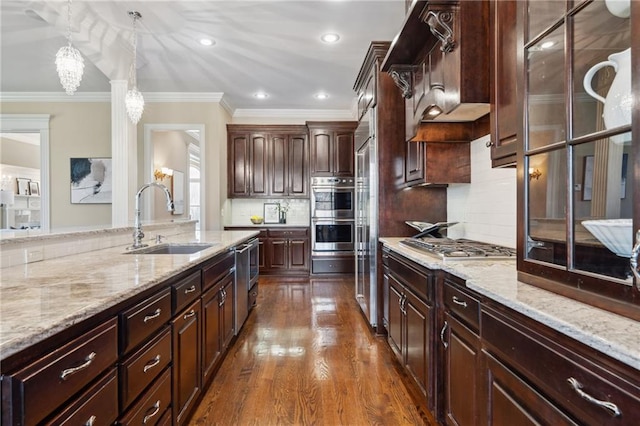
(546, 100)
(542, 14)
(603, 206)
(598, 35)
(547, 195)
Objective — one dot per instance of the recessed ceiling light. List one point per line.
(330, 38)
(547, 44)
(261, 95)
(321, 95)
(207, 42)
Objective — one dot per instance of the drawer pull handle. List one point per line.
(156, 408)
(444, 328)
(459, 302)
(151, 364)
(254, 294)
(608, 406)
(190, 289)
(91, 421)
(155, 314)
(189, 314)
(70, 371)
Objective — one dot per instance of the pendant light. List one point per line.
(133, 99)
(69, 62)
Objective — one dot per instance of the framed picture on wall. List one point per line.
(34, 188)
(23, 186)
(91, 180)
(271, 213)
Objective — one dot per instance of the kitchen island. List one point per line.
(108, 310)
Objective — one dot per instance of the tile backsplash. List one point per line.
(485, 208)
(237, 211)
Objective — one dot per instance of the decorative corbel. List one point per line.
(441, 24)
(402, 76)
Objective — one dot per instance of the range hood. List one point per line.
(440, 62)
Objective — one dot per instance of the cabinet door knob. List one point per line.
(488, 144)
(155, 314)
(190, 289)
(610, 407)
(155, 361)
(154, 411)
(189, 314)
(459, 302)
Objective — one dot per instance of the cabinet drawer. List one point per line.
(38, 389)
(409, 275)
(186, 291)
(137, 371)
(289, 233)
(97, 406)
(557, 372)
(152, 405)
(333, 265)
(462, 305)
(217, 269)
(141, 321)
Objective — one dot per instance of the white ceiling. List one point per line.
(267, 45)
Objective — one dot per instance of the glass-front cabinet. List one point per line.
(580, 163)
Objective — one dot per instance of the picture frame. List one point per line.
(271, 213)
(23, 186)
(34, 188)
(91, 180)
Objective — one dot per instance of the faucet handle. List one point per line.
(159, 238)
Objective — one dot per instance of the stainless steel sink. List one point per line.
(189, 248)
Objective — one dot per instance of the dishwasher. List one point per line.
(243, 282)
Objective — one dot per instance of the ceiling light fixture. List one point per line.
(133, 99)
(321, 95)
(206, 42)
(261, 95)
(69, 62)
(330, 38)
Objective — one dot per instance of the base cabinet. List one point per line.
(409, 315)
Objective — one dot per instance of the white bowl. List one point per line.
(615, 234)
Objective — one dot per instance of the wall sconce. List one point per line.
(163, 173)
(534, 173)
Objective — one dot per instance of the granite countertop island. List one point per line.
(609, 333)
(40, 299)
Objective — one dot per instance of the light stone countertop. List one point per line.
(38, 300)
(612, 334)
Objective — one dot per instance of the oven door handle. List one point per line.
(330, 221)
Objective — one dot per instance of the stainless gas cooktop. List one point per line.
(449, 249)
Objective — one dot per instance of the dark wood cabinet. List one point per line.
(332, 148)
(267, 161)
(410, 318)
(503, 82)
(187, 348)
(460, 343)
(287, 250)
(437, 163)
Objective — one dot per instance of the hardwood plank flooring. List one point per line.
(306, 356)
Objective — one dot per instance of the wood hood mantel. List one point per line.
(440, 62)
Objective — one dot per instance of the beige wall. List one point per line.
(19, 154)
(76, 129)
(170, 150)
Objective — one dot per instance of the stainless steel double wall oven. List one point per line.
(332, 216)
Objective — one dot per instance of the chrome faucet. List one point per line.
(138, 235)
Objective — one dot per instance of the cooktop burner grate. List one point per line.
(462, 249)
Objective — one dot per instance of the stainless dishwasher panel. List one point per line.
(241, 286)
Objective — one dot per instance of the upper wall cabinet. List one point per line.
(580, 188)
(504, 87)
(267, 161)
(440, 61)
(332, 148)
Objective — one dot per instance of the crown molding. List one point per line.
(55, 97)
(182, 96)
(306, 114)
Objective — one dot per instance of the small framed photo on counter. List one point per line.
(34, 188)
(271, 213)
(23, 186)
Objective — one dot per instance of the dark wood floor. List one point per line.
(305, 356)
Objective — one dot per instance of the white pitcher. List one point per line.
(619, 101)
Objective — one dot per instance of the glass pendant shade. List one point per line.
(70, 67)
(134, 103)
